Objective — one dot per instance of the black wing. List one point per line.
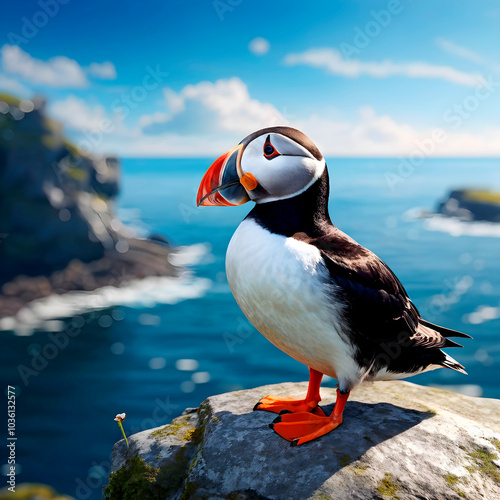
(381, 318)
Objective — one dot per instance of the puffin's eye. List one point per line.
(269, 150)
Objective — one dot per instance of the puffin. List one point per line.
(309, 288)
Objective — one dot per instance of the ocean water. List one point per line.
(161, 346)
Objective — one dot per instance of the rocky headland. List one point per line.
(59, 231)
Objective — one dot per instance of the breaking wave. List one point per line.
(454, 226)
(146, 292)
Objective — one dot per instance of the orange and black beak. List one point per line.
(221, 184)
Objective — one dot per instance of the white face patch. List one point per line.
(285, 175)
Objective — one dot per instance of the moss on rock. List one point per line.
(136, 479)
(388, 487)
(496, 444)
(30, 491)
(170, 429)
(9, 99)
(453, 482)
(483, 461)
(170, 477)
(189, 491)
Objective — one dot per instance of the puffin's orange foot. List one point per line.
(288, 405)
(299, 428)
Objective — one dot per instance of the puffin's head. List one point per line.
(271, 164)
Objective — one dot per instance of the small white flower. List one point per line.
(120, 417)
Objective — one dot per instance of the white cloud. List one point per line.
(75, 113)
(148, 120)
(259, 46)
(467, 54)
(332, 61)
(372, 135)
(208, 118)
(206, 107)
(457, 50)
(12, 86)
(172, 145)
(92, 128)
(367, 134)
(483, 143)
(175, 102)
(175, 105)
(58, 71)
(204, 119)
(105, 70)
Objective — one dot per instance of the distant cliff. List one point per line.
(472, 204)
(58, 227)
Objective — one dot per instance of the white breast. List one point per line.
(282, 286)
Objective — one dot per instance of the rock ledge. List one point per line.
(398, 440)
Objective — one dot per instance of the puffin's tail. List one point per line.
(449, 362)
(445, 332)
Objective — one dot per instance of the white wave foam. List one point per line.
(132, 219)
(146, 292)
(453, 225)
(189, 255)
(416, 213)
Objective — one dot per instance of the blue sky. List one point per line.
(361, 78)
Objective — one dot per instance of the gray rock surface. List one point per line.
(398, 440)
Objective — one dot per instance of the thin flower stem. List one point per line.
(123, 432)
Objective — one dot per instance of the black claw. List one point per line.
(271, 426)
(277, 420)
(282, 412)
(294, 442)
(256, 407)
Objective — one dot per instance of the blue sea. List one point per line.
(153, 351)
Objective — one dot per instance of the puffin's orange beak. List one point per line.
(221, 184)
